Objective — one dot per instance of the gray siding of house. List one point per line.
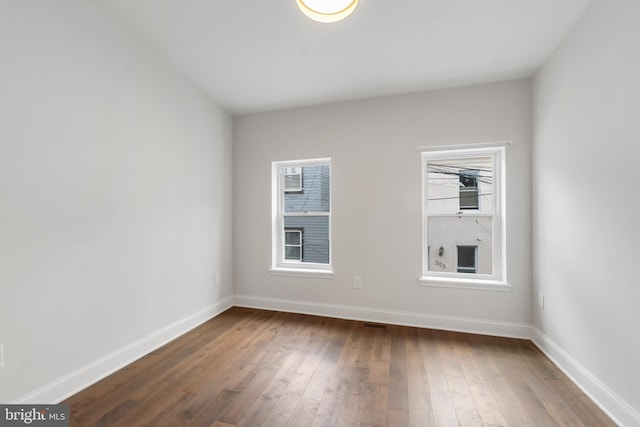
(314, 197)
(325, 182)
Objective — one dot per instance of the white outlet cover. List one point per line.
(540, 300)
(357, 282)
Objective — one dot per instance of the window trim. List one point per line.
(280, 266)
(498, 279)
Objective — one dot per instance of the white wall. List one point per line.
(587, 226)
(376, 205)
(115, 199)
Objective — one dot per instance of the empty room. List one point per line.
(319, 213)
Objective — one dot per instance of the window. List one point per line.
(302, 216)
(469, 189)
(463, 217)
(292, 178)
(467, 259)
(292, 244)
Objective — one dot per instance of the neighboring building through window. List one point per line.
(302, 215)
(463, 215)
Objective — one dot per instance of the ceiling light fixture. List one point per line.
(327, 11)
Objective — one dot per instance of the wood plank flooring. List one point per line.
(261, 368)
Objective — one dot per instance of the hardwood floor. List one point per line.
(260, 368)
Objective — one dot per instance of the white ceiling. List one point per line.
(260, 55)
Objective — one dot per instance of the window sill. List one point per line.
(299, 272)
(457, 283)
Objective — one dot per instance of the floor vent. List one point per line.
(374, 325)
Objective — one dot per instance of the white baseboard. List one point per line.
(617, 409)
(421, 320)
(79, 379)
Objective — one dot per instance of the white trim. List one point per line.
(392, 317)
(68, 385)
(308, 214)
(302, 272)
(304, 162)
(460, 283)
(613, 405)
(464, 146)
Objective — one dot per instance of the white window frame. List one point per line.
(498, 279)
(279, 265)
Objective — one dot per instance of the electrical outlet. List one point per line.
(218, 279)
(357, 282)
(541, 300)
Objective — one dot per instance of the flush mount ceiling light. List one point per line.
(327, 11)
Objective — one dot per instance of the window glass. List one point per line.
(293, 245)
(292, 237)
(460, 183)
(467, 259)
(315, 193)
(292, 178)
(316, 236)
(447, 232)
(469, 189)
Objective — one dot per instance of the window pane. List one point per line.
(469, 189)
(315, 194)
(292, 237)
(291, 170)
(450, 232)
(467, 257)
(458, 184)
(469, 178)
(469, 198)
(292, 183)
(292, 252)
(316, 236)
